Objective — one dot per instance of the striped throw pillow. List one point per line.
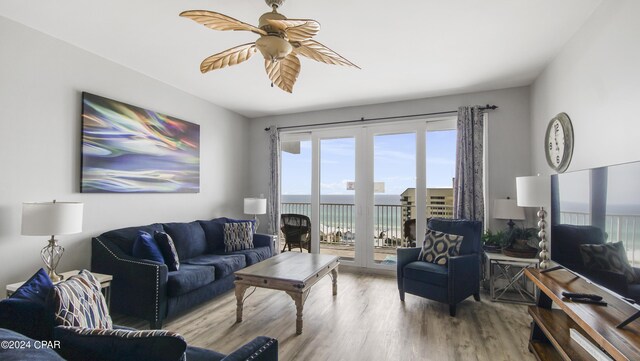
(79, 302)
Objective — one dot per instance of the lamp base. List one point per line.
(51, 255)
(255, 218)
(54, 276)
(544, 252)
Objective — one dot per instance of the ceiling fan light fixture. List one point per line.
(273, 47)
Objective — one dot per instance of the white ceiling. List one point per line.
(407, 49)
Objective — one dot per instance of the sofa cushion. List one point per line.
(35, 289)
(79, 302)
(214, 232)
(438, 247)
(168, 249)
(189, 278)
(145, 247)
(119, 345)
(188, 238)
(254, 255)
(238, 236)
(124, 237)
(224, 264)
(426, 272)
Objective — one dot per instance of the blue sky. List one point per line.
(394, 163)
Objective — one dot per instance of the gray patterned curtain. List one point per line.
(273, 203)
(469, 194)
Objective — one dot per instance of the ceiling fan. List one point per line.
(281, 40)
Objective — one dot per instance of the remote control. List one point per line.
(582, 295)
(588, 300)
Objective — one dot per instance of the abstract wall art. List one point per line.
(127, 149)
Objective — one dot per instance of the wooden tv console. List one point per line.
(550, 338)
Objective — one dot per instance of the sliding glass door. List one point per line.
(393, 195)
(337, 216)
(369, 189)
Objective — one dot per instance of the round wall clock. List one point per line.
(558, 142)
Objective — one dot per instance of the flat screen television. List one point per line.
(599, 206)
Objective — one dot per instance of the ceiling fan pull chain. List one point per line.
(272, 84)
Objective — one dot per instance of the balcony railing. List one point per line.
(618, 227)
(337, 221)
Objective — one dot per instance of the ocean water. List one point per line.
(337, 213)
(380, 199)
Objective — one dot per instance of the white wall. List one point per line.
(508, 134)
(596, 80)
(41, 80)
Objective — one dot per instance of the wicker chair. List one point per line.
(297, 231)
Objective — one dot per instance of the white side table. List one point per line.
(506, 278)
(105, 283)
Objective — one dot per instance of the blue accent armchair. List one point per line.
(449, 284)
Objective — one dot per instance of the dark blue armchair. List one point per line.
(449, 284)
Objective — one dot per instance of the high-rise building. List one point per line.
(439, 203)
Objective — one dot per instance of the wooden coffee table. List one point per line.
(292, 272)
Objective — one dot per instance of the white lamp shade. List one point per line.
(533, 191)
(507, 209)
(51, 218)
(255, 206)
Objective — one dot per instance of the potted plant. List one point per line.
(493, 242)
(519, 242)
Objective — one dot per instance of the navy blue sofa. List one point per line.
(146, 289)
(453, 283)
(25, 321)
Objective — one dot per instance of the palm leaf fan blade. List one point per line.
(284, 73)
(318, 52)
(228, 57)
(217, 21)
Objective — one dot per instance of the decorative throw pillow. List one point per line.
(27, 311)
(238, 236)
(119, 344)
(168, 250)
(146, 247)
(438, 247)
(35, 289)
(608, 257)
(252, 221)
(79, 302)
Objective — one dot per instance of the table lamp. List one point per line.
(507, 209)
(255, 206)
(534, 191)
(51, 219)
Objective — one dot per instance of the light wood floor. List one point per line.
(365, 321)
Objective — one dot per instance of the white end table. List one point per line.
(510, 271)
(105, 284)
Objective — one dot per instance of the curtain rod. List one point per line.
(363, 119)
